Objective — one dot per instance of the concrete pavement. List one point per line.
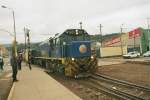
(119, 60)
(5, 80)
(35, 84)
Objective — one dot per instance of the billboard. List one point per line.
(134, 33)
(112, 41)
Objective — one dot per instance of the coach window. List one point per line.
(51, 43)
(55, 41)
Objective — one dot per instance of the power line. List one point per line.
(7, 32)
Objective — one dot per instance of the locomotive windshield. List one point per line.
(76, 35)
(76, 32)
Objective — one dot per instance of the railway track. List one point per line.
(117, 81)
(118, 88)
(103, 86)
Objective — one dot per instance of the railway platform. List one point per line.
(35, 84)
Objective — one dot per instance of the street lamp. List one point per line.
(14, 26)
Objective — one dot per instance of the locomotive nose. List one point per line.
(82, 63)
(83, 68)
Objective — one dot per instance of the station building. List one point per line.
(135, 40)
(3, 51)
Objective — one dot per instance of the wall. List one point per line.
(137, 39)
(134, 41)
(117, 41)
(112, 51)
(145, 41)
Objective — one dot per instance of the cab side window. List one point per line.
(57, 42)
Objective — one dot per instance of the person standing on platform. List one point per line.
(1, 63)
(13, 62)
(19, 61)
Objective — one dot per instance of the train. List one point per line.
(68, 53)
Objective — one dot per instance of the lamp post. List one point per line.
(27, 31)
(14, 27)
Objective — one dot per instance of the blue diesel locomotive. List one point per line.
(68, 53)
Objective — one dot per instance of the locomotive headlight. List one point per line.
(72, 59)
(77, 32)
(92, 57)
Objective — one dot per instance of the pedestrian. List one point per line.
(29, 62)
(19, 61)
(1, 63)
(13, 61)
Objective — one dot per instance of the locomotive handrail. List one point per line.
(50, 58)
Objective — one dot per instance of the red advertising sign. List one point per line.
(134, 33)
(112, 41)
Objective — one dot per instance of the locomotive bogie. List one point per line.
(69, 67)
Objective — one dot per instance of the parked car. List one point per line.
(146, 54)
(133, 54)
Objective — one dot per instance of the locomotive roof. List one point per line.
(74, 32)
(43, 42)
(67, 32)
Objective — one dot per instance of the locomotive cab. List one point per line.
(79, 61)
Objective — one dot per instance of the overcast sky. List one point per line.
(55, 16)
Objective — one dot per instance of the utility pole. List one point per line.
(121, 29)
(15, 42)
(28, 41)
(134, 40)
(100, 31)
(25, 35)
(80, 25)
(14, 28)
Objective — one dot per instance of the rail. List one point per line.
(99, 80)
(121, 82)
